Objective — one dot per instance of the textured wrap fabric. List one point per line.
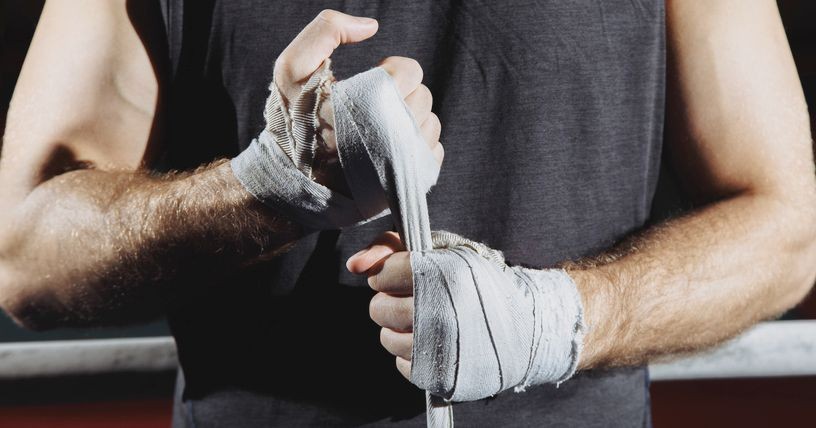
(385, 160)
(276, 167)
(268, 173)
(296, 128)
(383, 153)
(482, 327)
(553, 137)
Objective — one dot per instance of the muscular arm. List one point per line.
(738, 133)
(87, 236)
(99, 247)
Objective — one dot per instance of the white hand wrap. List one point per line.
(481, 327)
(277, 167)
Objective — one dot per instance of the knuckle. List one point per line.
(412, 64)
(399, 312)
(281, 63)
(426, 92)
(328, 22)
(283, 68)
(405, 258)
(394, 275)
(404, 367)
(384, 341)
(393, 239)
(403, 65)
(396, 260)
(375, 309)
(403, 264)
(415, 68)
(328, 16)
(374, 282)
(407, 312)
(435, 123)
(425, 96)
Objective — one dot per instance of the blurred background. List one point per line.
(145, 399)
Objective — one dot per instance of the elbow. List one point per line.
(802, 250)
(808, 219)
(807, 262)
(27, 308)
(26, 294)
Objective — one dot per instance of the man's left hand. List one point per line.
(388, 267)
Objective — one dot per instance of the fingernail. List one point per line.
(355, 255)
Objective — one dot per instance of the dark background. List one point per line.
(144, 400)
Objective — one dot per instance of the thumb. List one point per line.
(317, 41)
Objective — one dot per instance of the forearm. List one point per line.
(696, 280)
(91, 247)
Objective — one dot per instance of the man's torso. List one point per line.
(552, 117)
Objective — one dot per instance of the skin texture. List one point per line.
(738, 136)
(88, 236)
(75, 185)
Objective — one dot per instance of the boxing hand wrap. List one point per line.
(385, 159)
(383, 154)
(370, 119)
(481, 327)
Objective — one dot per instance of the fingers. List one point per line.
(385, 245)
(396, 343)
(393, 275)
(431, 130)
(395, 313)
(420, 102)
(317, 41)
(439, 153)
(404, 367)
(399, 345)
(406, 72)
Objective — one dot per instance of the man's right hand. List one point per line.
(143, 233)
(314, 45)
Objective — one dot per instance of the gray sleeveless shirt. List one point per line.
(552, 117)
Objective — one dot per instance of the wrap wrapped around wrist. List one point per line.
(277, 166)
(481, 327)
